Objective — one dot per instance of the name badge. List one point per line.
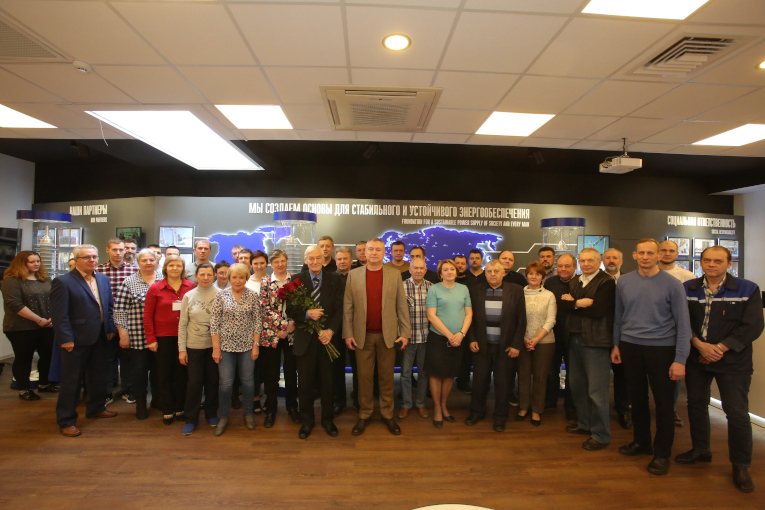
(177, 306)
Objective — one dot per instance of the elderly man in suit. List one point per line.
(375, 319)
(326, 288)
(81, 305)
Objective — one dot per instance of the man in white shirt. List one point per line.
(667, 257)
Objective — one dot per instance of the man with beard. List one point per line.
(547, 259)
(131, 247)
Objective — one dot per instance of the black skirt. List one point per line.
(441, 360)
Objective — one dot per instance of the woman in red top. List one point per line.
(162, 313)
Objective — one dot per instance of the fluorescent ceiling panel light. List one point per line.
(397, 42)
(513, 124)
(181, 135)
(662, 9)
(743, 135)
(13, 119)
(255, 116)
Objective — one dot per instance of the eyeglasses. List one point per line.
(88, 257)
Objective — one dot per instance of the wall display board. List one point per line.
(699, 245)
(442, 228)
(685, 264)
(683, 245)
(731, 245)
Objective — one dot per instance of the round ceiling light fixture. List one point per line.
(762, 65)
(397, 42)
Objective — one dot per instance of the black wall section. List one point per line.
(129, 168)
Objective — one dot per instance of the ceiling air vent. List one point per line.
(16, 45)
(688, 55)
(402, 109)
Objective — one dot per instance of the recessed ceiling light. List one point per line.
(662, 9)
(265, 116)
(397, 42)
(513, 124)
(743, 135)
(13, 119)
(762, 65)
(181, 135)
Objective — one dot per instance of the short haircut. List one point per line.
(344, 249)
(276, 254)
(398, 243)
(536, 267)
(244, 250)
(545, 248)
(573, 259)
(237, 247)
(621, 255)
(508, 251)
(113, 240)
(417, 248)
(589, 250)
(144, 253)
(326, 238)
(476, 251)
(206, 241)
(204, 265)
(418, 260)
(173, 258)
(131, 241)
(495, 262)
(77, 249)
(442, 264)
(360, 243)
(310, 249)
(153, 246)
(376, 240)
(222, 263)
(172, 247)
(240, 269)
(648, 240)
(459, 256)
(668, 241)
(258, 254)
(726, 250)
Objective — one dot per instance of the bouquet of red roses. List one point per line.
(296, 296)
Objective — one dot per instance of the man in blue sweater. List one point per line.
(652, 333)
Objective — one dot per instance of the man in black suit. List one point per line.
(82, 305)
(326, 288)
(495, 338)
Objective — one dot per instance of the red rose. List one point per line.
(281, 294)
(296, 283)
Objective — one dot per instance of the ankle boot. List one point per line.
(141, 412)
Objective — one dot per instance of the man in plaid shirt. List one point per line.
(117, 270)
(416, 288)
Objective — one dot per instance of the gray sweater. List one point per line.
(653, 311)
(194, 326)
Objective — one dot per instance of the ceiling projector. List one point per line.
(621, 164)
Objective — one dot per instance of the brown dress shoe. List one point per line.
(70, 431)
(403, 413)
(423, 412)
(103, 414)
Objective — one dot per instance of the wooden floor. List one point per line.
(122, 463)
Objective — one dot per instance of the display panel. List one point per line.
(182, 237)
(732, 246)
(683, 245)
(128, 233)
(699, 245)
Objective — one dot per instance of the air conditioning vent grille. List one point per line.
(17, 45)
(379, 114)
(688, 55)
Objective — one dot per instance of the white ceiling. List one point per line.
(538, 56)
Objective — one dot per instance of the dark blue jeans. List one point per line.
(734, 393)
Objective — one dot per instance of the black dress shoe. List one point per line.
(28, 395)
(576, 429)
(521, 417)
(693, 456)
(294, 414)
(473, 419)
(593, 445)
(625, 420)
(268, 422)
(536, 423)
(358, 429)
(305, 431)
(393, 427)
(659, 466)
(741, 479)
(499, 425)
(439, 424)
(337, 409)
(633, 449)
(330, 428)
(450, 419)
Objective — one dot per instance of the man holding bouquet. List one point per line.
(315, 303)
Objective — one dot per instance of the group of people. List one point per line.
(211, 329)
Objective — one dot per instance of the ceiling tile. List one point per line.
(380, 136)
(293, 35)
(746, 109)
(456, 121)
(619, 97)
(96, 133)
(367, 26)
(756, 149)
(64, 81)
(742, 69)
(439, 138)
(391, 77)
(56, 115)
(690, 132)
(498, 42)
(327, 135)
(573, 126)
(8, 133)
(230, 85)
(48, 134)
(578, 50)
(597, 145)
(687, 101)
(731, 11)
(301, 84)
(552, 143)
(553, 6)
(545, 94)
(14, 89)
(652, 147)
(307, 117)
(632, 129)
(88, 31)
(409, 3)
(699, 149)
(188, 33)
(494, 140)
(480, 91)
(151, 84)
(270, 134)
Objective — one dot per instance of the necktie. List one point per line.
(316, 293)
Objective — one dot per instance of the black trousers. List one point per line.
(315, 360)
(338, 372)
(142, 362)
(621, 392)
(644, 366)
(24, 344)
(202, 374)
(734, 393)
(553, 377)
(493, 361)
(171, 376)
(272, 362)
(467, 365)
(86, 362)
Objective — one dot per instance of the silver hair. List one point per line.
(311, 248)
(77, 249)
(144, 252)
(343, 249)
